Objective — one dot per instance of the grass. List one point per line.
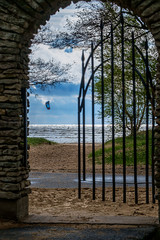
(141, 151)
(37, 141)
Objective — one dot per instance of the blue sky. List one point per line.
(63, 102)
(62, 97)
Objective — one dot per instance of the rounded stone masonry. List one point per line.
(20, 20)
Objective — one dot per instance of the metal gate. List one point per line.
(149, 115)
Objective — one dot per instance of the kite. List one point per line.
(48, 105)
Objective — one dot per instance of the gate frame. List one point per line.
(81, 108)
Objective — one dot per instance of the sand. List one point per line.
(64, 158)
(64, 202)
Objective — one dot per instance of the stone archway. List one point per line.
(20, 19)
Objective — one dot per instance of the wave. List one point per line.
(67, 133)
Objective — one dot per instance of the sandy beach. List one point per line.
(65, 202)
(64, 158)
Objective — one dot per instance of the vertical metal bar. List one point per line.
(147, 133)
(79, 150)
(113, 127)
(24, 100)
(84, 148)
(93, 122)
(134, 115)
(102, 89)
(124, 106)
(153, 126)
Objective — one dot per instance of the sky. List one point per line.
(62, 97)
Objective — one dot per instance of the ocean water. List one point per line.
(69, 133)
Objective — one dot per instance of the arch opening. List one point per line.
(68, 207)
(14, 47)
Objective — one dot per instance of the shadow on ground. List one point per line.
(79, 232)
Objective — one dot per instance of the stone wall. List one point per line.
(19, 20)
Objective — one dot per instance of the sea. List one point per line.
(68, 133)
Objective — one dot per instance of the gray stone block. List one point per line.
(14, 209)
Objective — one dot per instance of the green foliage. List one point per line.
(141, 150)
(118, 107)
(87, 28)
(131, 23)
(33, 141)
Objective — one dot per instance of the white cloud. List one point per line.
(59, 55)
(57, 22)
(55, 99)
(42, 98)
(65, 100)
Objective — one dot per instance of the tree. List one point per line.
(87, 28)
(118, 107)
(140, 65)
(43, 73)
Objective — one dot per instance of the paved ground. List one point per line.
(70, 180)
(94, 220)
(73, 232)
(108, 228)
